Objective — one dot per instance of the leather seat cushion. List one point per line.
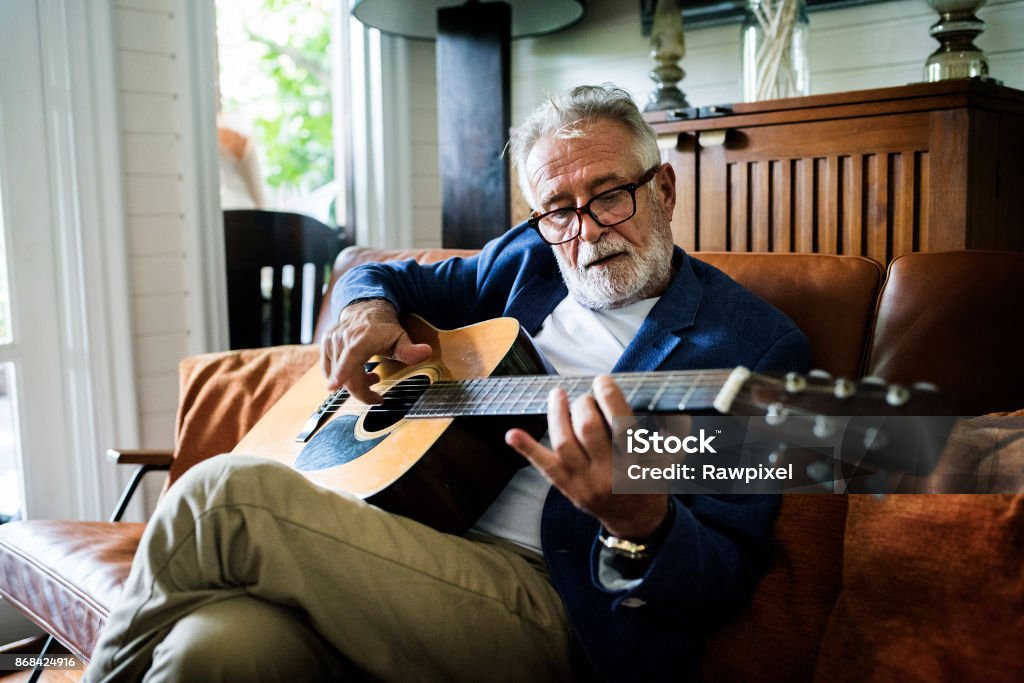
(831, 298)
(954, 319)
(66, 575)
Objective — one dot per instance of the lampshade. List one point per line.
(418, 18)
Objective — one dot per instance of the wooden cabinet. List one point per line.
(879, 173)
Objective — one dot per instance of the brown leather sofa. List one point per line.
(910, 587)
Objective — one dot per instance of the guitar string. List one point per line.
(447, 397)
(700, 398)
(518, 382)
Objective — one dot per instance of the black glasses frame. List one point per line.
(535, 218)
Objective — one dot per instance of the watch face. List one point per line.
(621, 546)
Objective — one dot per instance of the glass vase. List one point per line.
(774, 42)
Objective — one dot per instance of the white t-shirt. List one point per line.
(577, 341)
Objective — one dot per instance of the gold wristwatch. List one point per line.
(625, 548)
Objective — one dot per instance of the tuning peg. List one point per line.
(776, 414)
(824, 427)
(821, 473)
(924, 386)
(820, 374)
(873, 380)
(776, 455)
(897, 395)
(844, 388)
(795, 382)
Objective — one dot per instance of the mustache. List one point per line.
(591, 252)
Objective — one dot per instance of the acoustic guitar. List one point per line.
(434, 449)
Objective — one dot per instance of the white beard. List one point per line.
(626, 280)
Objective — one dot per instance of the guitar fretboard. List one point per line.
(661, 392)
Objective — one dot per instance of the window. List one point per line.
(281, 137)
(10, 479)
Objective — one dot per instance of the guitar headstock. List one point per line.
(866, 426)
(818, 393)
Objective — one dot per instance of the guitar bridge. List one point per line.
(320, 415)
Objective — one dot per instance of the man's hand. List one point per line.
(364, 329)
(580, 464)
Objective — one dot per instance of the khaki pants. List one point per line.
(249, 572)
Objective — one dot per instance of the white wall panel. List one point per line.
(152, 153)
(156, 234)
(151, 5)
(159, 314)
(149, 113)
(152, 351)
(159, 393)
(164, 274)
(145, 31)
(149, 194)
(148, 73)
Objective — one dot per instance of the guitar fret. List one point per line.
(539, 392)
(470, 398)
(664, 392)
(686, 397)
(652, 406)
(573, 390)
(512, 401)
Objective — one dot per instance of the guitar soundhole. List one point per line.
(397, 402)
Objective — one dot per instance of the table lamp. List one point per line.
(473, 96)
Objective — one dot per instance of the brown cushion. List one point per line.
(66, 575)
(831, 298)
(776, 637)
(933, 590)
(224, 394)
(982, 455)
(954, 319)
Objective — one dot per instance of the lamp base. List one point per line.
(956, 29)
(473, 119)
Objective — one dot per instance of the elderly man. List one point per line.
(249, 572)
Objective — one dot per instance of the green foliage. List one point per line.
(295, 136)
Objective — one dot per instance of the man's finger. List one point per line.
(588, 426)
(349, 373)
(542, 458)
(406, 352)
(610, 398)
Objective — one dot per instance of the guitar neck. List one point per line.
(646, 392)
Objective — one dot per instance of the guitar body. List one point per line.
(441, 471)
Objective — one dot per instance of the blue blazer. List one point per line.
(716, 547)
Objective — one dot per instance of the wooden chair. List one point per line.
(274, 247)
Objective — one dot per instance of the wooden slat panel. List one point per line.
(713, 199)
(923, 191)
(739, 207)
(1011, 181)
(851, 241)
(948, 210)
(683, 158)
(903, 228)
(877, 185)
(782, 205)
(761, 206)
(803, 239)
(828, 205)
(983, 193)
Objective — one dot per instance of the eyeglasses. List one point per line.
(609, 208)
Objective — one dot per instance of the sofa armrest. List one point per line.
(160, 459)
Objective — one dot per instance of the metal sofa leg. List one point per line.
(38, 670)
